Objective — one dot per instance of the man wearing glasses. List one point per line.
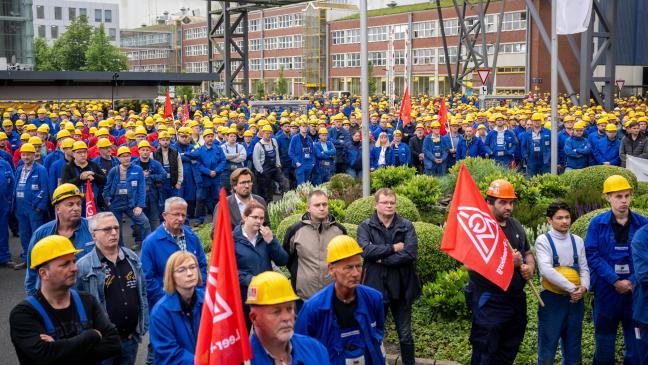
(114, 276)
(241, 181)
(390, 250)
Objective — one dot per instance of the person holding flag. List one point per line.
(347, 317)
(272, 313)
(494, 248)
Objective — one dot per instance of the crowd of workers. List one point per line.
(92, 297)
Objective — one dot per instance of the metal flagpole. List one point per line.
(554, 90)
(364, 92)
(391, 90)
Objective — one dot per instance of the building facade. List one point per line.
(51, 17)
(16, 34)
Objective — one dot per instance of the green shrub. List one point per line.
(437, 214)
(203, 233)
(363, 208)
(336, 207)
(531, 214)
(344, 187)
(291, 200)
(280, 232)
(445, 296)
(550, 185)
(480, 169)
(391, 176)
(640, 201)
(431, 260)
(642, 188)
(579, 227)
(422, 190)
(594, 176)
(352, 229)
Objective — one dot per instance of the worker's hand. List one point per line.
(399, 246)
(452, 150)
(90, 177)
(421, 156)
(99, 333)
(517, 258)
(46, 338)
(212, 173)
(266, 232)
(178, 186)
(137, 211)
(623, 286)
(297, 164)
(606, 163)
(85, 175)
(526, 271)
(577, 294)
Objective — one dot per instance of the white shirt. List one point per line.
(253, 240)
(544, 257)
(240, 204)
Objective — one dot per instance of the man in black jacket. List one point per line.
(390, 247)
(416, 148)
(80, 170)
(59, 325)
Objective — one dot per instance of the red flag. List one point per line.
(91, 208)
(406, 108)
(473, 236)
(223, 336)
(168, 109)
(443, 117)
(185, 113)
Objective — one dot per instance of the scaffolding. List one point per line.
(314, 46)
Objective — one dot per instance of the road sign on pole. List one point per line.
(619, 84)
(483, 90)
(483, 75)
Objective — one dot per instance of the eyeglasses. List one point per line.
(247, 182)
(256, 217)
(387, 203)
(184, 269)
(181, 215)
(108, 229)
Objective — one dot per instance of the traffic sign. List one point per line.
(483, 90)
(619, 84)
(483, 75)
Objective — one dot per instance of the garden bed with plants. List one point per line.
(440, 319)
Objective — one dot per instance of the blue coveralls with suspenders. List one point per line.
(230, 166)
(47, 321)
(560, 320)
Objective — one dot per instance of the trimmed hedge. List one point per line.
(431, 260)
(205, 237)
(594, 176)
(579, 227)
(352, 229)
(285, 224)
(362, 209)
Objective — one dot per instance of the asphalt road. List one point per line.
(12, 292)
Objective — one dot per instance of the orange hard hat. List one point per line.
(502, 189)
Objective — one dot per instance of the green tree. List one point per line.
(43, 55)
(282, 83)
(373, 87)
(184, 90)
(69, 51)
(260, 90)
(103, 56)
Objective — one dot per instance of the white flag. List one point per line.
(639, 166)
(573, 16)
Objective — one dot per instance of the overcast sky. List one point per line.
(134, 13)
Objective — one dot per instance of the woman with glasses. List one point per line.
(175, 319)
(255, 246)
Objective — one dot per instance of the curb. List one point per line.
(395, 360)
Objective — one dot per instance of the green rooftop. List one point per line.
(407, 8)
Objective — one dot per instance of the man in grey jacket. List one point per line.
(114, 276)
(634, 143)
(267, 164)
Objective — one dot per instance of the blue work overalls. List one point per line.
(31, 203)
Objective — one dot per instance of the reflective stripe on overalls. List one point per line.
(353, 346)
(49, 326)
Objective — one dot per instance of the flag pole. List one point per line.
(554, 89)
(530, 282)
(364, 94)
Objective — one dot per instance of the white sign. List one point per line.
(483, 90)
(638, 166)
(483, 75)
(619, 84)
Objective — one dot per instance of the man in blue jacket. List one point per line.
(301, 154)
(31, 194)
(640, 292)
(471, 146)
(283, 141)
(191, 174)
(340, 137)
(325, 156)
(435, 152)
(599, 133)
(401, 155)
(211, 163)
(609, 256)
(502, 142)
(125, 193)
(7, 186)
(346, 317)
(577, 149)
(566, 132)
(607, 151)
(272, 313)
(154, 176)
(536, 147)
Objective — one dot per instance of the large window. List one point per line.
(451, 26)
(378, 58)
(514, 21)
(399, 57)
(256, 64)
(270, 43)
(286, 42)
(256, 44)
(270, 23)
(424, 29)
(40, 12)
(353, 60)
(112, 34)
(71, 13)
(98, 15)
(298, 41)
(512, 48)
(423, 56)
(254, 25)
(338, 61)
(400, 31)
(298, 62)
(83, 12)
(270, 64)
(285, 21)
(196, 33)
(108, 16)
(54, 31)
(41, 31)
(338, 37)
(58, 13)
(377, 34)
(286, 63)
(452, 53)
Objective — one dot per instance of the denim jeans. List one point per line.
(128, 355)
(402, 313)
(559, 320)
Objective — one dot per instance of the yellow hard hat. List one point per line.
(35, 141)
(248, 134)
(140, 131)
(323, 131)
(143, 144)
(568, 272)
(163, 135)
(79, 145)
(184, 130)
(27, 147)
(547, 125)
(3, 136)
(269, 288)
(49, 248)
(207, 132)
(7, 123)
(103, 143)
(44, 128)
(30, 127)
(616, 183)
(342, 247)
(122, 150)
(579, 125)
(67, 143)
(63, 134)
(610, 128)
(65, 191)
(435, 125)
(537, 116)
(266, 128)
